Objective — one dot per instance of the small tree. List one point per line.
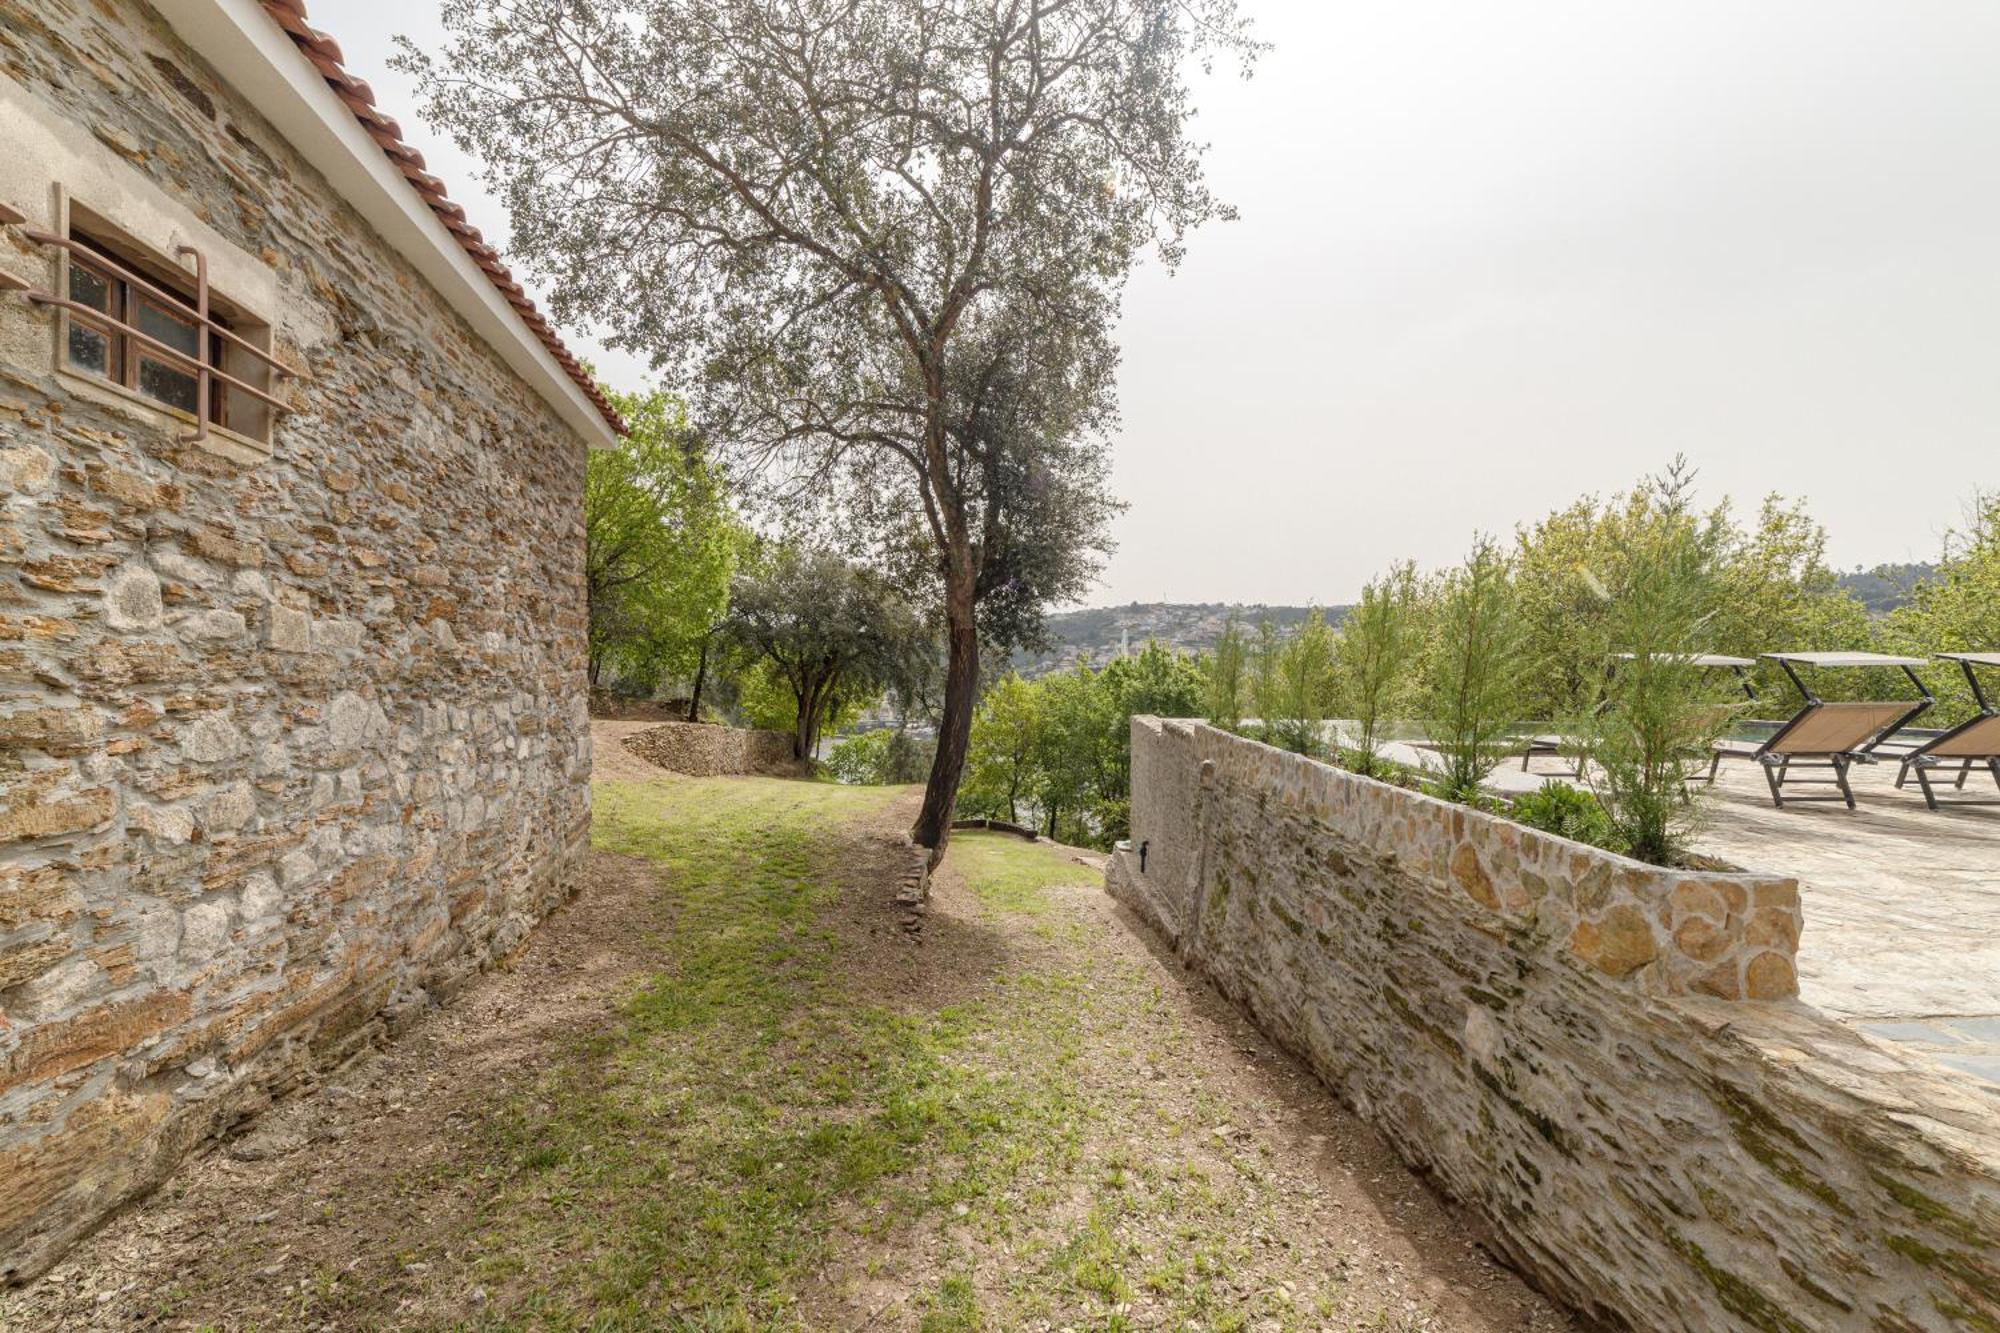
(1376, 644)
(1660, 713)
(1305, 685)
(1000, 771)
(1074, 759)
(1224, 668)
(831, 631)
(1265, 695)
(1957, 609)
(1473, 679)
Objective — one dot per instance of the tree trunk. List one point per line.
(961, 694)
(700, 673)
(803, 726)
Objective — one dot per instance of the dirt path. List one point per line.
(722, 1089)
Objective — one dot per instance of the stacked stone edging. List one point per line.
(1543, 1028)
(701, 750)
(290, 747)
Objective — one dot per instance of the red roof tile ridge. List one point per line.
(325, 56)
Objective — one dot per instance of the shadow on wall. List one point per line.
(1605, 1058)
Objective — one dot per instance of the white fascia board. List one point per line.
(258, 58)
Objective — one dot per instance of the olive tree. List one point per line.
(836, 221)
(831, 632)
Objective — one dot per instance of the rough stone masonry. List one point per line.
(1604, 1059)
(287, 746)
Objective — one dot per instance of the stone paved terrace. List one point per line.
(1902, 903)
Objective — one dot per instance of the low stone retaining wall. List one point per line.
(1603, 1058)
(701, 751)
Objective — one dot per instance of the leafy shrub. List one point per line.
(1357, 760)
(888, 756)
(1567, 812)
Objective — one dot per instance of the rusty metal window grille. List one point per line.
(132, 325)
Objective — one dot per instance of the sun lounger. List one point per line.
(1835, 736)
(1551, 745)
(1972, 743)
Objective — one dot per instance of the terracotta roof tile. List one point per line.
(324, 54)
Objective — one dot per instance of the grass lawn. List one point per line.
(724, 1090)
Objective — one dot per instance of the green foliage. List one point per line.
(886, 756)
(1226, 682)
(1659, 713)
(1958, 609)
(1000, 763)
(1567, 812)
(1265, 655)
(1778, 594)
(660, 542)
(1077, 760)
(1305, 686)
(1373, 659)
(1473, 679)
(827, 633)
(1057, 752)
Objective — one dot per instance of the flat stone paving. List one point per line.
(1902, 903)
(1902, 906)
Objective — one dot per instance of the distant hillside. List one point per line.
(1886, 587)
(1098, 632)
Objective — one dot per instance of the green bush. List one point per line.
(1356, 760)
(1567, 812)
(888, 756)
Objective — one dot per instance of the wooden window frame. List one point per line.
(236, 346)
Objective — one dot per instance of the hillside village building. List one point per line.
(292, 624)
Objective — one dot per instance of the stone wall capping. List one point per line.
(1607, 1060)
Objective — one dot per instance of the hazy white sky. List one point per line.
(1495, 256)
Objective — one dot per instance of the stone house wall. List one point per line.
(1542, 1028)
(701, 750)
(288, 746)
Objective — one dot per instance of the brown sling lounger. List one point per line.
(1835, 736)
(1975, 742)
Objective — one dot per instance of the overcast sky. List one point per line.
(1496, 256)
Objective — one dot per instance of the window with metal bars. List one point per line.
(152, 339)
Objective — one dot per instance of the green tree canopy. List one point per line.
(883, 241)
(831, 631)
(1958, 609)
(660, 542)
